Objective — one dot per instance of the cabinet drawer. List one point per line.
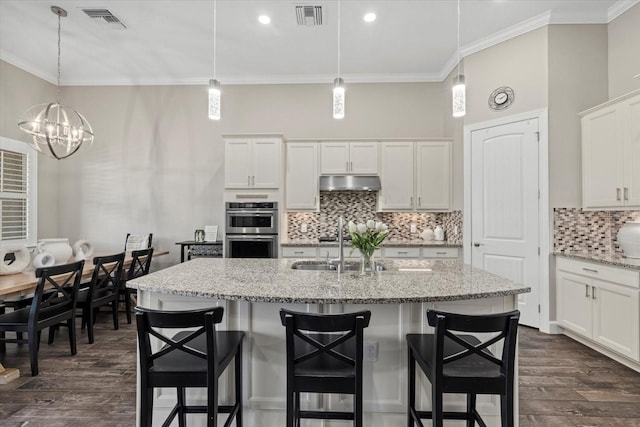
(333, 252)
(299, 252)
(606, 273)
(440, 252)
(401, 252)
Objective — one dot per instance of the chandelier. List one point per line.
(56, 130)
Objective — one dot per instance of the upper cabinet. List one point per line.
(252, 162)
(611, 154)
(355, 158)
(433, 178)
(302, 176)
(416, 175)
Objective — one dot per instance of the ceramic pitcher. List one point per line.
(59, 248)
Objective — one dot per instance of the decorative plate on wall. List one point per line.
(501, 98)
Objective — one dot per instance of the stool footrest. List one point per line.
(449, 416)
(323, 415)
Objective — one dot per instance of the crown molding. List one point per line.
(620, 7)
(27, 66)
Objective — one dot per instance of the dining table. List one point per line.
(24, 283)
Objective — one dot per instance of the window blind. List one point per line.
(13, 195)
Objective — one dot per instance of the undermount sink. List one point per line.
(323, 266)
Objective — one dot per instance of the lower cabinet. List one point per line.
(600, 303)
(410, 252)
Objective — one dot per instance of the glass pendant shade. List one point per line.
(459, 101)
(338, 98)
(56, 130)
(214, 99)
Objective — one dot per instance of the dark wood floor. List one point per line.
(562, 383)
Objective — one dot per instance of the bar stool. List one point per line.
(193, 358)
(464, 364)
(324, 355)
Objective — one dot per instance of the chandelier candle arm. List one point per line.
(56, 131)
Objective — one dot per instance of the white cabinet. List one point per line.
(423, 184)
(252, 162)
(302, 176)
(299, 252)
(611, 154)
(433, 180)
(600, 303)
(397, 175)
(356, 158)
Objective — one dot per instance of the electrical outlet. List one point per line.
(303, 227)
(413, 228)
(370, 351)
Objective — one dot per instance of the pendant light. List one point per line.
(458, 89)
(214, 85)
(338, 83)
(56, 131)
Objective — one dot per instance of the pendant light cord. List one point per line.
(215, 51)
(59, 25)
(339, 38)
(458, 37)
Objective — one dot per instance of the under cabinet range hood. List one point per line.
(349, 183)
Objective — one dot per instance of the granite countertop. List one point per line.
(611, 258)
(394, 243)
(273, 280)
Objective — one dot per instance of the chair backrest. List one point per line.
(134, 242)
(149, 322)
(339, 330)
(107, 275)
(503, 325)
(56, 292)
(140, 263)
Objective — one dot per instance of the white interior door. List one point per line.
(504, 208)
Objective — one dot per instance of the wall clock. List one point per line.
(501, 98)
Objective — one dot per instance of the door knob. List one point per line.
(476, 244)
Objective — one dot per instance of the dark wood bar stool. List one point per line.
(324, 355)
(194, 358)
(463, 364)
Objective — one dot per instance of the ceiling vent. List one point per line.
(103, 16)
(309, 16)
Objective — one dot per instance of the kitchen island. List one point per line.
(252, 291)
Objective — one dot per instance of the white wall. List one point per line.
(624, 52)
(18, 92)
(157, 162)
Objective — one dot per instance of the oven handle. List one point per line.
(249, 212)
(251, 237)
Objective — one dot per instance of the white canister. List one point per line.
(629, 239)
(59, 248)
(427, 234)
(439, 233)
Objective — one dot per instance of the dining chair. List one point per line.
(324, 355)
(193, 358)
(460, 363)
(54, 302)
(102, 290)
(140, 264)
(137, 241)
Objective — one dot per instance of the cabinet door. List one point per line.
(433, 187)
(396, 175)
(602, 158)
(574, 303)
(334, 158)
(302, 175)
(237, 163)
(266, 163)
(363, 158)
(632, 152)
(616, 319)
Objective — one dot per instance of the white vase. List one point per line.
(629, 239)
(21, 260)
(59, 248)
(428, 234)
(439, 233)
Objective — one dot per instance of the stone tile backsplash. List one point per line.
(594, 231)
(360, 206)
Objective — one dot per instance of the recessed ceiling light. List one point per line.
(264, 19)
(370, 17)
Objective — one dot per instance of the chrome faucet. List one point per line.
(339, 262)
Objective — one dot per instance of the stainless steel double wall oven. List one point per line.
(251, 230)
